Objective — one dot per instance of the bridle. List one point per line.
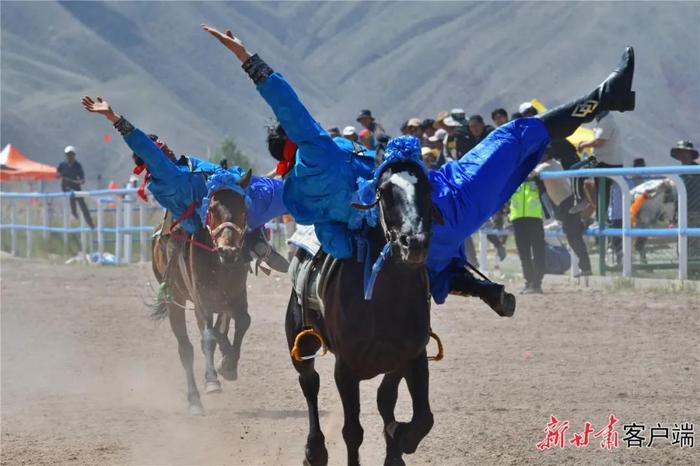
(219, 229)
(216, 232)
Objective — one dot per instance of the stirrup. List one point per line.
(441, 352)
(310, 332)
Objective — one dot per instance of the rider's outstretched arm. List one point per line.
(296, 120)
(154, 158)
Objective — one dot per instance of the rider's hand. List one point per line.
(229, 41)
(99, 106)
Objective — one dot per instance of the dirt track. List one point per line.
(88, 379)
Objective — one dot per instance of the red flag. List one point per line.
(107, 138)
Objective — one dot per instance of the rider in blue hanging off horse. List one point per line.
(183, 185)
(323, 182)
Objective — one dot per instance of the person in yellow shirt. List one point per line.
(526, 215)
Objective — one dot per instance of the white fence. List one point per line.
(617, 175)
(118, 216)
(121, 217)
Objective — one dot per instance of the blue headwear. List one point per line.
(223, 179)
(399, 149)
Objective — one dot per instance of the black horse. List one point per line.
(385, 335)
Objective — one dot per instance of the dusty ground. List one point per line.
(88, 379)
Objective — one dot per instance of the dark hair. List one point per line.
(516, 115)
(530, 111)
(404, 125)
(276, 138)
(499, 111)
(478, 118)
(427, 123)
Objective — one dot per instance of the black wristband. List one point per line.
(257, 69)
(123, 126)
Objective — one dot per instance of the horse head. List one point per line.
(226, 218)
(405, 210)
(403, 197)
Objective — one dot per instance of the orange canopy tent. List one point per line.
(17, 167)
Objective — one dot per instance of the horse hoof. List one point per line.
(225, 372)
(394, 461)
(196, 410)
(229, 375)
(212, 387)
(316, 458)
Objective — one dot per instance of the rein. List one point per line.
(363, 256)
(215, 233)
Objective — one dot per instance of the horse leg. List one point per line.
(178, 323)
(221, 327)
(242, 323)
(315, 451)
(387, 395)
(212, 384)
(349, 389)
(409, 435)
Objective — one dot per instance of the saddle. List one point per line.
(310, 275)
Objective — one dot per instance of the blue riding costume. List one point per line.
(324, 180)
(178, 185)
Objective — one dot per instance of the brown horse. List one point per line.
(210, 270)
(385, 335)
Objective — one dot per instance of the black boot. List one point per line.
(493, 294)
(614, 94)
(260, 249)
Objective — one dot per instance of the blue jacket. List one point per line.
(470, 190)
(323, 183)
(176, 185)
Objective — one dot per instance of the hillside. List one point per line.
(155, 65)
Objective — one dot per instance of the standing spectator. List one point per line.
(686, 154)
(350, 133)
(460, 115)
(526, 109)
(450, 145)
(413, 127)
(526, 215)
(607, 153)
(559, 191)
(333, 132)
(437, 142)
(440, 120)
(499, 117)
(477, 129)
(429, 157)
(467, 137)
(372, 129)
(428, 128)
(640, 242)
(72, 178)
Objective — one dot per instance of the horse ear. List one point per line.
(437, 216)
(245, 179)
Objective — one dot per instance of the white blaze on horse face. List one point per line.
(406, 182)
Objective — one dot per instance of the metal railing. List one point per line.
(122, 221)
(681, 230)
(115, 209)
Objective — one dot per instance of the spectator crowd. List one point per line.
(451, 135)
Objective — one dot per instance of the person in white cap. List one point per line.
(72, 178)
(350, 133)
(526, 109)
